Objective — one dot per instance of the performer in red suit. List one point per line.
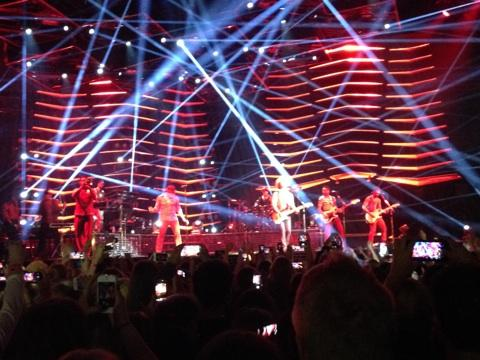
(85, 197)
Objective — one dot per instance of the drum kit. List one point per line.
(243, 218)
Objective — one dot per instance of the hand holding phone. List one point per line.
(106, 292)
(190, 250)
(160, 290)
(428, 250)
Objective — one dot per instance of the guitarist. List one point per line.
(372, 205)
(283, 200)
(327, 207)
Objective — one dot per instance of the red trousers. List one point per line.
(373, 230)
(337, 224)
(83, 231)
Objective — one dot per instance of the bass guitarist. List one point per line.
(329, 210)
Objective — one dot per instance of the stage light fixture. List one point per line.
(212, 162)
(100, 71)
(91, 31)
(214, 196)
(204, 196)
(314, 57)
(283, 21)
(261, 50)
(101, 66)
(250, 5)
(28, 31)
(64, 75)
(284, 61)
(120, 73)
(119, 159)
(29, 64)
(132, 231)
(158, 223)
(202, 162)
(66, 28)
(151, 84)
(23, 222)
(445, 13)
(227, 90)
(24, 156)
(245, 49)
(36, 194)
(386, 26)
(466, 227)
(180, 42)
(214, 229)
(163, 40)
(215, 53)
(198, 81)
(128, 43)
(24, 194)
(181, 78)
(36, 156)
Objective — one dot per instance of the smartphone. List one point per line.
(160, 290)
(76, 255)
(181, 273)
(268, 330)
(32, 277)
(297, 265)
(297, 248)
(428, 250)
(106, 292)
(302, 240)
(190, 250)
(261, 248)
(257, 281)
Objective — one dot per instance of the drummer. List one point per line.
(264, 202)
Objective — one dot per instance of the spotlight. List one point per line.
(181, 78)
(24, 156)
(23, 222)
(64, 75)
(204, 196)
(245, 49)
(212, 162)
(284, 60)
(91, 31)
(66, 28)
(386, 26)
(202, 162)
(180, 42)
(101, 66)
(261, 50)
(214, 196)
(314, 57)
(100, 71)
(163, 40)
(250, 5)
(466, 227)
(215, 53)
(198, 81)
(158, 223)
(36, 194)
(120, 73)
(29, 64)
(28, 31)
(151, 84)
(283, 21)
(119, 159)
(128, 43)
(36, 156)
(214, 229)
(132, 231)
(227, 90)
(445, 13)
(24, 194)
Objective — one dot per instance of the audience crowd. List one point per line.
(252, 305)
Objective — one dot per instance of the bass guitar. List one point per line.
(282, 216)
(328, 216)
(377, 214)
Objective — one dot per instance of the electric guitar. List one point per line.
(377, 214)
(283, 215)
(328, 216)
